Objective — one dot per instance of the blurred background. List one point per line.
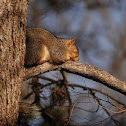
(99, 28)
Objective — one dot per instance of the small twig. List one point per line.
(27, 96)
(85, 88)
(68, 94)
(115, 121)
(100, 106)
(46, 78)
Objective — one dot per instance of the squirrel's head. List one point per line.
(73, 53)
(64, 50)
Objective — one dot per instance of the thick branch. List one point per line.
(33, 71)
(85, 70)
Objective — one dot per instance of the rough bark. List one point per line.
(85, 70)
(12, 49)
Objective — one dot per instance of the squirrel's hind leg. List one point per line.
(45, 56)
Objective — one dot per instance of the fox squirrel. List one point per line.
(42, 46)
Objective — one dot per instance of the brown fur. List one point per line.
(42, 46)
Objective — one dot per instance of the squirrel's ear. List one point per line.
(71, 41)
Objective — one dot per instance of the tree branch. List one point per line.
(33, 71)
(84, 70)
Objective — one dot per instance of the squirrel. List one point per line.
(42, 46)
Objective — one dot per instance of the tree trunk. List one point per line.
(12, 50)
